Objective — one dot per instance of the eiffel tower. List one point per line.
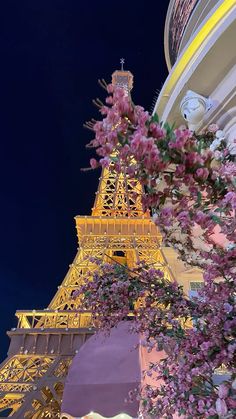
(44, 342)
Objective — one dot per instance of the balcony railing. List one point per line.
(53, 319)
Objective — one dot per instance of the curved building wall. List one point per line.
(206, 65)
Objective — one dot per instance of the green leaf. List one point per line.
(120, 138)
(165, 157)
(200, 144)
(213, 351)
(216, 219)
(199, 197)
(195, 390)
(167, 128)
(162, 199)
(155, 118)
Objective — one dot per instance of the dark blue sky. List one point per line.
(52, 53)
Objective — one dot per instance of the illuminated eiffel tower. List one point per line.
(45, 341)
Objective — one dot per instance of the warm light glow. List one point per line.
(94, 415)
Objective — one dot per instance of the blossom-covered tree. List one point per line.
(189, 183)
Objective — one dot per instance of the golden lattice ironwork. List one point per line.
(45, 341)
(30, 387)
(62, 369)
(48, 404)
(24, 369)
(11, 403)
(118, 195)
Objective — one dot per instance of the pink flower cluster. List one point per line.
(192, 195)
(109, 293)
(198, 335)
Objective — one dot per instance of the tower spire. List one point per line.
(123, 78)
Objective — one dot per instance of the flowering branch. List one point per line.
(189, 183)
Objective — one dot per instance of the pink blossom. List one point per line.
(234, 384)
(231, 403)
(156, 130)
(184, 219)
(110, 88)
(218, 155)
(202, 173)
(213, 128)
(201, 406)
(230, 198)
(109, 100)
(223, 391)
(228, 170)
(93, 163)
(201, 218)
(105, 162)
(180, 140)
(228, 307)
(221, 407)
(180, 170)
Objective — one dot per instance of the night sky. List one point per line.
(52, 53)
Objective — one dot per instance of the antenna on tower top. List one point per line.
(122, 61)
